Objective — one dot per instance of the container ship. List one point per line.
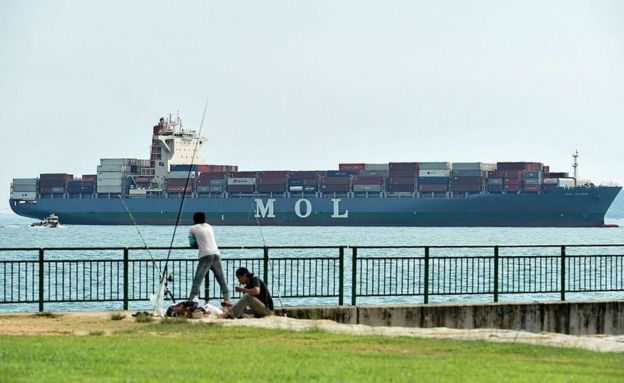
(150, 191)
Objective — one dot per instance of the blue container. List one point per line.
(341, 173)
(74, 184)
(182, 168)
(310, 189)
(433, 180)
(86, 190)
(295, 182)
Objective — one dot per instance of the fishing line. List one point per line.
(279, 294)
(141, 235)
(163, 279)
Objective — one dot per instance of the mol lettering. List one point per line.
(303, 208)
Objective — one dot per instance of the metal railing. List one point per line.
(114, 274)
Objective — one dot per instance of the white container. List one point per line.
(28, 196)
(182, 174)
(434, 173)
(24, 188)
(137, 192)
(114, 161)
(24, 181)
(241, 181)
(381, 167)
(366, 188)
(551, 181)
(110, 176)
(435, 166)
(296, 188)
(109, 189)
(109, 182)
(472, 166)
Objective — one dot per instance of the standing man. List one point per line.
(201, 236)
(256, 296)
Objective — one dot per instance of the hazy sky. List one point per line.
(306, 85)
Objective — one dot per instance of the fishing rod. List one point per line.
(159, 296)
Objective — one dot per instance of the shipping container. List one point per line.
(512, 188)
(89, 177)
(402, 180)
(466, 188)
(310, 189)
(311, 182)
(275, 174)
(114, 161)
(25, 188)
(211, 175)
(178, 189)
(495, 188)
(55, 176)
(495, 181)
(531, 174)
(496, 174)
(367, 188)
(86, 189)
(433, 180)
(25, 181)
(185, 174)
(335, 188)
(546, 169)
(482, 166)
(435, 166)
(112, 168)
(340, 173)
(400, 188)
(244, 174)
(531, 188)
(351, 166)
(468, 173)
(359, 180)
(216, 182)
(551, 181)
(373, 173)
(306, 174)
(403, 173)
(272, 188)
(376, 167)
(74, 184)
(272, 181)
(110, 182)
(433, 188)
(246, 181)
(295, 182)
(336, 180)
(238, 188)
(433, 173)
(467, 180)
(295, 188)
(210, 189)
(183, 168)
(392, 166)
(142, 180)
(532, 181)
(28, 196)
(536, 166)
(180, 181)
(52, 183)
(558, 175)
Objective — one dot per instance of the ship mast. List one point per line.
(575, 165)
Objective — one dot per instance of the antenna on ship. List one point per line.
(575, 165)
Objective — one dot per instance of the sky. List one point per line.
(306, 85)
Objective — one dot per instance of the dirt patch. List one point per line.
(100, 323)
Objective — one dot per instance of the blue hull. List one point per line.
(560, 208)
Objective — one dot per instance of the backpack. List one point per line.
(186, 309)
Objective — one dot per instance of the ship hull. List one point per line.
(579, 207)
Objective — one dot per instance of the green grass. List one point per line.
(178, 351)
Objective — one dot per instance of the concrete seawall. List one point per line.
(574, 318)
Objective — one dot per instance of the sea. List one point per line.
(16, 232)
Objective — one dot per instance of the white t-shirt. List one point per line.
(205, 239)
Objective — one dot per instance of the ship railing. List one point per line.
(115, 277)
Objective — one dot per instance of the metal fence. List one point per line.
(331, 273)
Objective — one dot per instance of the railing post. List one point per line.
(354, 276)
(265, 259)
(341, 276)
(125, 278)
(41, 279)
(426, 276)
(563, 274)
(495, 273)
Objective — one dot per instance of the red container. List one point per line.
(272, 181)
(349, 166)
(558, 175)
(203, 181)
(217, 175)
(275, 173)
(467, 180)
(311, 182)
(87, 183)
(433, 188)
(366, 180)
(466, 188)
(141, 180)
(512, 181)
(546, 169)
(403, 173)
(305, 174)
(403, 166)
(513, 188)
(531, 188)
(496, 174)
(240, 188)
(89, 177)
(272, 188)
(55, 176)
(402, 180)
(244, 174)
(401, 188)
(334, 188)
(52, 183)
(336, 180)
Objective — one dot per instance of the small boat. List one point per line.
(49, 221)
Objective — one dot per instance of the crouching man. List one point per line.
(256, 296)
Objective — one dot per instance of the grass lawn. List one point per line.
(187, 352)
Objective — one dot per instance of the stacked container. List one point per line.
(304, 181)
(367, 184)
(469, 176)
(211, 182)
(402, 177)
(112, 174)
(53, 183)
(24, 188)
(352, 167)
(241, 184)
(181, 181)
(274, 181)
(434, 176)
(335, 182)
(532, 181)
